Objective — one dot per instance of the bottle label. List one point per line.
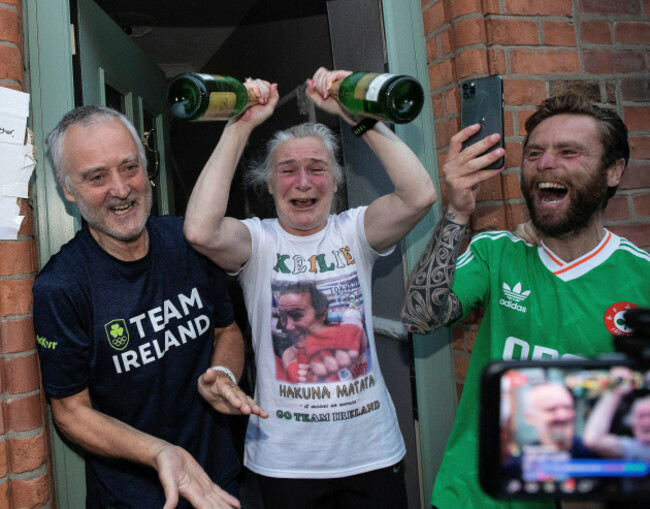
(222, 105)
(371, 85)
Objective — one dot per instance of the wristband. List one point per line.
(224, 369)
(363, 126)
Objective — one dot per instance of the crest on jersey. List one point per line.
(117, 333)
(615, 321)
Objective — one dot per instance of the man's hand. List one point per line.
(527, 232)
(225, 396)
(180, 473)
(464, 171)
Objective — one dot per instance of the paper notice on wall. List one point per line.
(16, 160)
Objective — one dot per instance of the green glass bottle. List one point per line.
(201, 97)
(393, 98)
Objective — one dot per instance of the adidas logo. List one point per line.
(515, 293)
(515, 296)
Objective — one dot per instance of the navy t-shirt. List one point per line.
(137, 335)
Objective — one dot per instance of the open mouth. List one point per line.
(551, 192)
(120, 210)
(303, 203)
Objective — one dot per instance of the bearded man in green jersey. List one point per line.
(558, 299)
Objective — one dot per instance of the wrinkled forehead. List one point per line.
(311, 150)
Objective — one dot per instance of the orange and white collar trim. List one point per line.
(567, 271)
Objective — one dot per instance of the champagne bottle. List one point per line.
(390, 97)
(200, 97)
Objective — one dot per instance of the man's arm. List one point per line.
(101, 434)
(390, 217)
(225, 240)
(429, 302)
(216, 387)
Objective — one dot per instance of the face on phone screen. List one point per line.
(570, 431)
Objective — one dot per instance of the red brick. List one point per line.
(28, 454)
(444, 130)
(635, 89)
(604, 7)
(17, 335)
(544, 61)
(10, 26)
(441, 74)
(496, 61)
(469, 31)
(31, 493)
(16, 296)
(511, 187)
(639, 147)
(508, 124)
(4, 462)
(516, 214)
(11, 63)
(637, 118)
(491, 7)
(23, 413)
(438, 103)
(595, 32)
(632, 32)
(518, 92)
(432, 48)
(462, 7)
(18, 257)
(513, 154)
(617, 209)
(471, 62)
(490, 190)
(434, 17)
(5, 494)
(641, 204)
(559, 33)
(511, 31)
(543, 7)
(3, 427)
(444, 43)
(459, 390)
(461, 363)
(452, 101)
(522, 116)
(638, 234)
(488, 217)
(636, 176)
(613, 62)
(21, 374)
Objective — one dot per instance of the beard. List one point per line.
(585, 200)
(97, 220)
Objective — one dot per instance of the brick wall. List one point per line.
(542, 48)
(25, 467)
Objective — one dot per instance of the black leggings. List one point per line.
(384, 488)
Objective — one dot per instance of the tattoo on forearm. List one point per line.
(429, 302)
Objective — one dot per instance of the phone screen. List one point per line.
(566, 429)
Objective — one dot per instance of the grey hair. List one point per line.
(86, 116)
(629, 417)
(259, 176)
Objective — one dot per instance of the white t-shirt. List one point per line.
(337, 426)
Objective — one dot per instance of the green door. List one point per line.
(116, 73)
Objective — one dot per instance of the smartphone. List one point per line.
(533, 430)
(481, 102)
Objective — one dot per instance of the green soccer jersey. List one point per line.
(536, 307)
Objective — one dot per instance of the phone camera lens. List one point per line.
(465, 86)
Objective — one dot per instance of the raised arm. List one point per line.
(100, 434)
(223, 239)
(429, 302)
(390, 217)
(596, 435)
